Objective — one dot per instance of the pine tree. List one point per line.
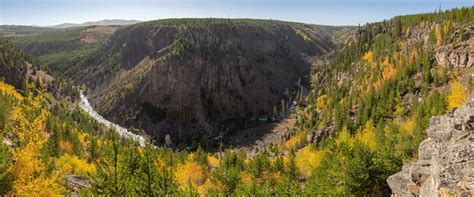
(291, 166)
(5, 163)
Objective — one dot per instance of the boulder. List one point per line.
(445, 164)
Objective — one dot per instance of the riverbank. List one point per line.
(122, 132)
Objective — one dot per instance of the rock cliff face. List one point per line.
(459, 53)
(190, 78)
(456, 52)
(445, 164)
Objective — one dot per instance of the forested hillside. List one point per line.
(194, 79)
(371, 104)
(61, 52)
(367, 111)
(13, 65)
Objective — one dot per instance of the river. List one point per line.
(123, 132)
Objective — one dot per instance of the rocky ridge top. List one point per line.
(445, 164)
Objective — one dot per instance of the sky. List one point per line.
(326, 12)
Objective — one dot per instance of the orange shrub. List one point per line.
(66, 146)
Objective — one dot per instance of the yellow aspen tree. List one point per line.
(389, 70)
(446, 28)
(28, 170)
(10, 91)
(307, 160)
(367, 136)
(190, 171)
(321, 102)
(457, 95)
(438, 36)
(369, 57)
(413, 56)
(75, 165)
(213, 161)
(344, 137)
(295, 140)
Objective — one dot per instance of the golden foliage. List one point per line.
(213, 161)
(190, 171)
(321, 102)
(140, 151)
(28, 169)
(40, 186)
(438, 36)
(369, 58)
(247, 161)
(400, 110)
(446, 28)
(246, 178)
(344, 137)
(408, 126)
(389, 70)
(307, 159)
(101, 143)
(66, 146)
(457, 95)
(8, 90)
(295, 140)
(82, 136)
(29, 130)
(74, 165)
(202, 190)
(413, 56)
(367, 136)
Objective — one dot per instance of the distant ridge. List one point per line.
(101, 22)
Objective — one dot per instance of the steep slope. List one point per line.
(372, 101)
(445, 164)
(13, 66)
(193, 77)
(19, 68)
(368, 111)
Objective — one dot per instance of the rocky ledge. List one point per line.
(445, 165)
(459, 52)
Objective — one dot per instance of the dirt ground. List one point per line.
(260, 137)
(94, 34)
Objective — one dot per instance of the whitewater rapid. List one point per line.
(123, 132)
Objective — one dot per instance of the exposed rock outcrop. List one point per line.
(190, 78)
(459, 53)
(445, 164)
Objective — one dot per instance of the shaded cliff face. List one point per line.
(189, 79)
